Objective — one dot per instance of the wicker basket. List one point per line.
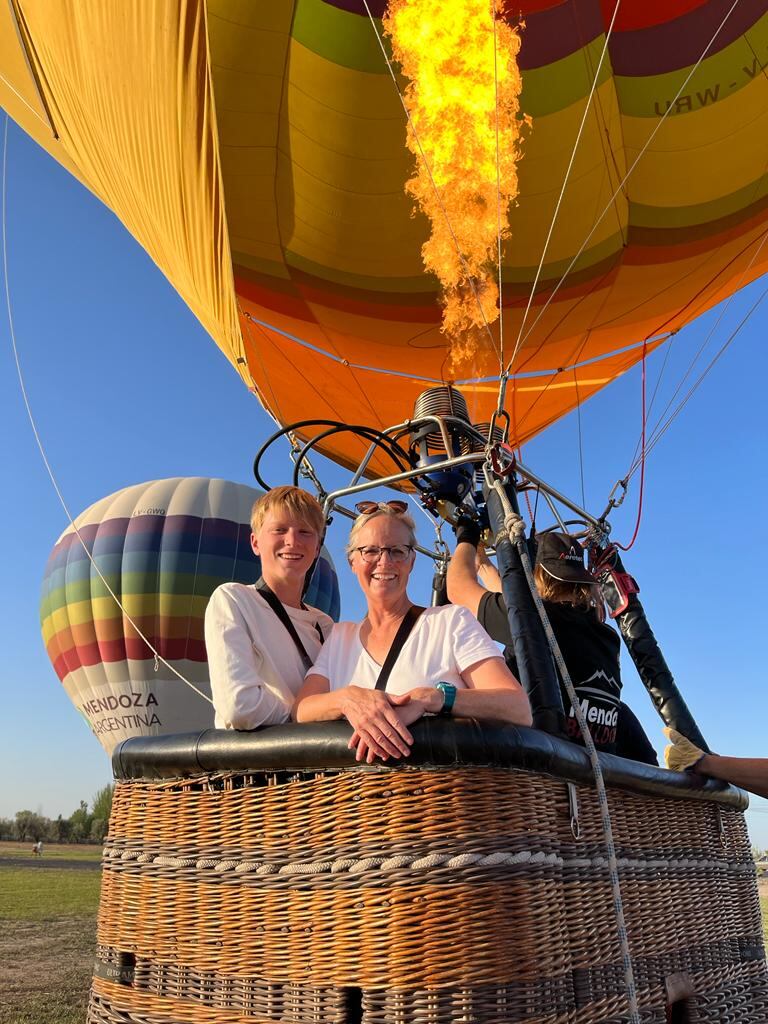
(430, 894)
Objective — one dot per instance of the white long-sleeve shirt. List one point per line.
(256, 670)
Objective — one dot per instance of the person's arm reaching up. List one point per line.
(461, 580)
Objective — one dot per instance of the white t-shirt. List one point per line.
(444, 643)
(255, 668)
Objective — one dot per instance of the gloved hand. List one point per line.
(681, 755)
(467, 530)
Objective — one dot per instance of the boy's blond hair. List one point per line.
(298, 503)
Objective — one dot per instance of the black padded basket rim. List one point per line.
(438, 743)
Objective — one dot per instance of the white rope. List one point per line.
(659, 430)
(624, 180)
(428, 169)
(157, 655)
(650, 445)
(556, 213)
(515, 528)
(455, 860)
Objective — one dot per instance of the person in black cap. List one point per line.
(590, 647)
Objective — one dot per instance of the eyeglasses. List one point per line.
(372, 554)
(366, 508)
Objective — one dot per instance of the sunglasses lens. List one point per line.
(365, 508)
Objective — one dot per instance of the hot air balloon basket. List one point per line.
(429, 895)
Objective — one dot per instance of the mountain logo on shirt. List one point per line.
(610, 682)
(600, 707)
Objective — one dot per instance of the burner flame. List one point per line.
(445, 49)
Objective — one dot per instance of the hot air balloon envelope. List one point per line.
(163, 547)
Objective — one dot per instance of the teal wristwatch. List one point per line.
(448, 691)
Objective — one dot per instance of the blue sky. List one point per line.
(126, 387)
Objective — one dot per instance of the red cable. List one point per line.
(623, 547)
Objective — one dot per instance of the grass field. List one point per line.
(48, 934)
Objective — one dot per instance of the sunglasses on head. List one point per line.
(365, 508)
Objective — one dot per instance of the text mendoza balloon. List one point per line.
(163, 547)
(257, 152)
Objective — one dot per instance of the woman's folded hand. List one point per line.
(379, 730)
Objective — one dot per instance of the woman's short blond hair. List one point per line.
(295, 502)
(384, 510)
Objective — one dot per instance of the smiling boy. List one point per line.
(261, 638)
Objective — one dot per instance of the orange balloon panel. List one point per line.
(257, 152)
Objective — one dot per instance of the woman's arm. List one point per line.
(370, 713)
(492, 695)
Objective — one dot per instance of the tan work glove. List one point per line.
(681, 755)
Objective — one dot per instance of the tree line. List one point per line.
(82, 826)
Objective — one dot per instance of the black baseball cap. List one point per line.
(562, 558)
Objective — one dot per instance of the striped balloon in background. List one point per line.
(163, 547)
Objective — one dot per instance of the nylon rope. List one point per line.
(624, 180)
(643, 456)
(658, 429)
(158, 657)
(428, 169)
(667, 351)
(581, 442)
(309, 472)
(658, 436)
(519, 340)
(515, 529)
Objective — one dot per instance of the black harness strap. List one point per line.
(278, 608)
(404, 631)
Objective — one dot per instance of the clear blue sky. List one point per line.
(125, 387)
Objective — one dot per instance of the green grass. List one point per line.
(51, 851)
(47, 943)
(37, 894)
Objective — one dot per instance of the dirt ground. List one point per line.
(38, 863)
(45, 970)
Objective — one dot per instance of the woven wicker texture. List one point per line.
(415, 895)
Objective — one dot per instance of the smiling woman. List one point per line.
(365, 672)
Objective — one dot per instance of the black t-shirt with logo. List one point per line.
(591, 652)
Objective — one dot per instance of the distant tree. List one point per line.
(61, 829)
(7, 828)
(102, 803)
(102, 808)
(80, 824)
(30, 827)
